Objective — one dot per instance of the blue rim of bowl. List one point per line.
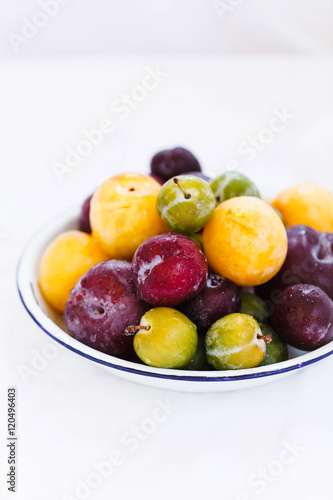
(187, 378)
(171, 376)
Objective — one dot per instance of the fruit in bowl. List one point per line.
(100, 307)
(303, 317)
(232, 184)
(172, 162)
(165, 338)
(123, 214)
(164, 263)
(218, 297)
(84, 220)
(254, 306)
(169, 269)
(234, 342)
(276, 349)
(63, 262)
(186, 204)
(309, 261)
(308, 205)
(245, 241)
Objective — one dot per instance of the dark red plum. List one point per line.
(303, 317)
(101, 305)
(218, 298)
(309, 261)
(169, 269)
(172, 162)
(84, 221)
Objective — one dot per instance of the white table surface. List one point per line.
(71, 413)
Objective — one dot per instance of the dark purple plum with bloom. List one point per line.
(309, 261)
(101, 305)
(84, 221)
(218, 298)
(172, 162)
(303, 317)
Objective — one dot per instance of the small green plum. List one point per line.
(197, 238)
(235, 342)
(254, 306)
(232, 184)
(165, 338)
(276, 350)
(186, 204)
(199, 362)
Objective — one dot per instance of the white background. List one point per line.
(225, 79)
(175, 26)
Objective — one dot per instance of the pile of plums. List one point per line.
(301, 293)
(170, 289)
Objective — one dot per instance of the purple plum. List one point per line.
(172, 162)
(309, 261)
(302, 316)
(218, 298)
(101, 305)
(84, 221)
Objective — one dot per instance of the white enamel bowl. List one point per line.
(52, 324)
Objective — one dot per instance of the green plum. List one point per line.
(235, 341)
(254, 306)
(232, 184)
(186, 204)
(165, 338)
(197, 238)
(199, 362)
(276, 350)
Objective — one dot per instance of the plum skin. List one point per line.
(166, 339)
(186, 204)
(218, 298)
(101, 305)
(169, 269)
(157, 179)
(171, 162)
(84, 220)
(302, 316)
(276, 350)
(309, 261)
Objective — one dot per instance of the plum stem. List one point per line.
(266, 338)
(187, 196)
(133, 329)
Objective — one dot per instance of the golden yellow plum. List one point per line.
(245, 241)
(123, 214)
(63, 262)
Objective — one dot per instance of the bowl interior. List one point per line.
(53, 324)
